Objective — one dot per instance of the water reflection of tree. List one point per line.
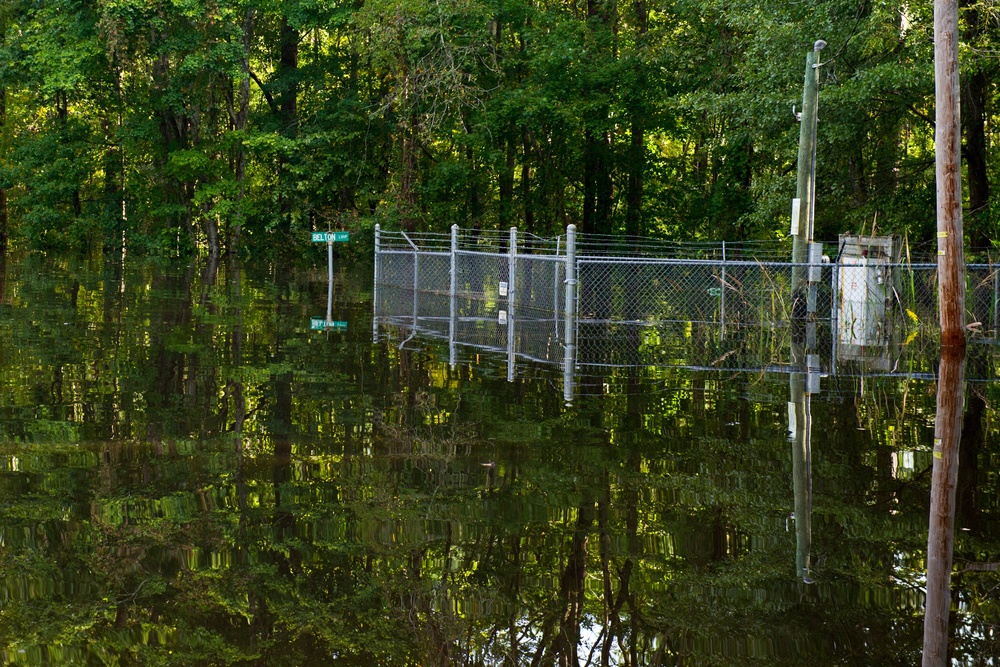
(381, 507)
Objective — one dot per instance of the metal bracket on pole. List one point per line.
(815, 254)
(812, 374)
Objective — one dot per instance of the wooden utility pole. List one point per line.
(948, 169)
(804, 204)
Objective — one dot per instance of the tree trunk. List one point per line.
(526, 196)
(112, 190)
(288, 64)
(3, 192)
(240, 125)
(589, 184)
(605, 191)
(636, 168)
(408, 176)
(597, 185)
(506, 184)
(637, 150)
(975, 94)
(974, 98)
(173, 136)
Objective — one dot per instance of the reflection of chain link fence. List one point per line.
(531, 334)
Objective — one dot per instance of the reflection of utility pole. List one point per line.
(804, 204)
(944, 480)
(802, 385)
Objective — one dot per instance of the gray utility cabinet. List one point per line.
(865, 285)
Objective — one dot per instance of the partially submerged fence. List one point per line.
(556, 299)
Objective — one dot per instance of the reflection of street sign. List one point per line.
(335, 237)
(319, 324)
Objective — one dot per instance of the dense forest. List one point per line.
(177, 125)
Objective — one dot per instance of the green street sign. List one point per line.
(319, 324)
(326, 237)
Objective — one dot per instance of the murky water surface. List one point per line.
(190, 475)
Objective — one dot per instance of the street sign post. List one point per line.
(329, 324)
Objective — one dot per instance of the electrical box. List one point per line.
(866, 289)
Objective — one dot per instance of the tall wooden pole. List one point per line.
(948, 169)
(804, 204)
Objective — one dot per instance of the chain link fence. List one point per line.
(613, 301)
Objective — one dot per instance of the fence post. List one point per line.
(996, 296)
(835, 301)
(569, 337)
(453, 280)
(555, 288)
(378, 276)
(722, 294)
(511, 294)
(416, 277)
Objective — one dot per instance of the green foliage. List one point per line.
(669, 119)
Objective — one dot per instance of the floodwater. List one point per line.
(190, 475)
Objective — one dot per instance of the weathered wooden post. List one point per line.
(948, 170)
(804, 204)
